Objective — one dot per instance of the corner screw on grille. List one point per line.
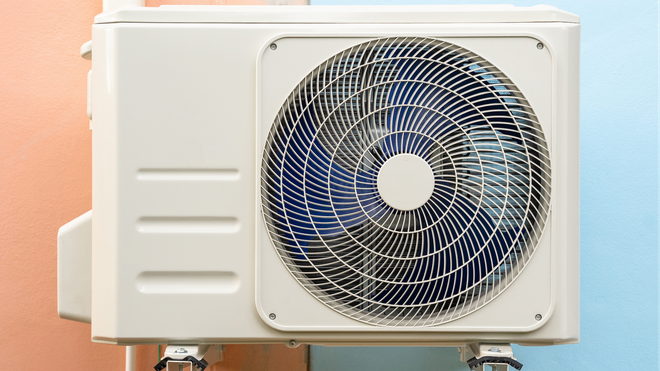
(273, 46)
(538, 317)
(272, 316)
(539, 46)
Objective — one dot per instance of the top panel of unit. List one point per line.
(339, 14)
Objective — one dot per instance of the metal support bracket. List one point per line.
(497, 357)
(190, 357)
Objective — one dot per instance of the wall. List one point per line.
(619, 202)
(45, 181)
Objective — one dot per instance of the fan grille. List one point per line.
(390, 267)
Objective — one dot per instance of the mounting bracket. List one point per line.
(190, 357)
(498, 356)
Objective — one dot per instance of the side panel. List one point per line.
(183, 149)
(105, 201)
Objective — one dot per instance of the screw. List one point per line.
(273, 46)
(292, 344)
(538, 317)
(272, 316)
(181, 350)
(539, 46)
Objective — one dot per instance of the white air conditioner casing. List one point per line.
(183, 100)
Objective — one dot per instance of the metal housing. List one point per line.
(182, 100)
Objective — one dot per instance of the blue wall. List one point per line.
(619, 204)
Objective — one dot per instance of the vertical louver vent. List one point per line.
(405, 182)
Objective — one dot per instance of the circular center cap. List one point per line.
(405, 182)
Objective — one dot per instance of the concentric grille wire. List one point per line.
(426, 266)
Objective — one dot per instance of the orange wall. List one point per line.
(45, 181)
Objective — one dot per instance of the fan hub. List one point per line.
(405, 181)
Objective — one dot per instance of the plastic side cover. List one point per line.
(74, 269)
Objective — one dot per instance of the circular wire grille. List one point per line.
(444, 259)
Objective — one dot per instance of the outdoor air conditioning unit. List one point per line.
(331, 175)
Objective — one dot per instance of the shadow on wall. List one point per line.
(385, 359)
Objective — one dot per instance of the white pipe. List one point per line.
(131, 353)
(110, 5)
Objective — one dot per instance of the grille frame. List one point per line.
(267, 125)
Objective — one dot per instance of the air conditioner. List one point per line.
(330, 175)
